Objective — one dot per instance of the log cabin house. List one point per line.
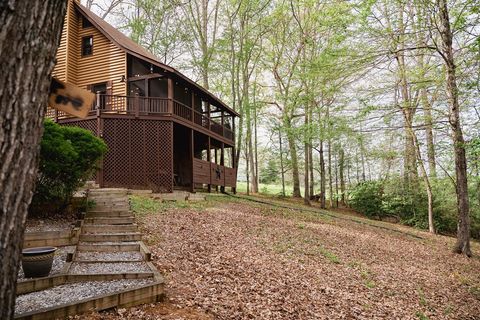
(163, 130)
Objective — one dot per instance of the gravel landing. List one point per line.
(110, 256)
(58, 262)
(37, 225)
(73, 292)
(99, 268)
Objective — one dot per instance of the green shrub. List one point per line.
(377, 199)
(68, 156)
(366, 198)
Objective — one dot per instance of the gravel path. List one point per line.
(109, 256)
(73, 292)
(58, 261)
(121, 267)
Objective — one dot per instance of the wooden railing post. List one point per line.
(137, 105)
(97, 100)
(170, 95)
(193, 107)
(209, 119)
(56, 115)
(223, 126)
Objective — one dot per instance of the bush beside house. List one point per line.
(68, 157)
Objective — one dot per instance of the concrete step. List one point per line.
(196, 197)
(107, 228)
(170, 196)
(109, 246)
(109, 214)
(109, 220)
(113, 237)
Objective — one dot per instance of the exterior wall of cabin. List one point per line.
(107, 63)
(160, 153)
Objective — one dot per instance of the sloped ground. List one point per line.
(241, 260)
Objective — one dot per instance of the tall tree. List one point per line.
(446, 51)
(28, 42)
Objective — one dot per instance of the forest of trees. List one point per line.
(369, 104)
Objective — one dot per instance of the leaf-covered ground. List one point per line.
(233, 259)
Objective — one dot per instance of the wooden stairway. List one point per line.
(109, 253)
(109, 240)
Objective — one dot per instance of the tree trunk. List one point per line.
(306, 198)
(310, 155)
(336, 181)
(323, 183)
(341, 166)
(330, 177)
(294, 158)
(281, 162)
(463, 228)
(28, 42)
(427, 110)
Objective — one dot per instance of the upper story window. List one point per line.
(86, 23)
(87, 45)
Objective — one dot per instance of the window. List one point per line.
(86, 23)
(99, 88)
(87, 46)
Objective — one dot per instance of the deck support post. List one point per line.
(234, 166)
(99, 177)
(192, 156)
(222, 162)
(209, 159)
(216, 162)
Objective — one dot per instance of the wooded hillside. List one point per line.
(367, 104)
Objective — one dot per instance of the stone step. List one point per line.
(109, 220)
(102, 237)
(110, 257)
(107, 228)
(109, 214)
(109, 246)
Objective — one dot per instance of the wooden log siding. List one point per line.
(230, 177)
(108, 62)
(217, 174)
(201, 171)
(206, 173)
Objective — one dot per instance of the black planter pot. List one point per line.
(37, 262)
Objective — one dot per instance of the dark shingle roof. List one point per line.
(133, 48)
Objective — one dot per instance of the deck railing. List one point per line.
(211, 173)
(144, 106)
